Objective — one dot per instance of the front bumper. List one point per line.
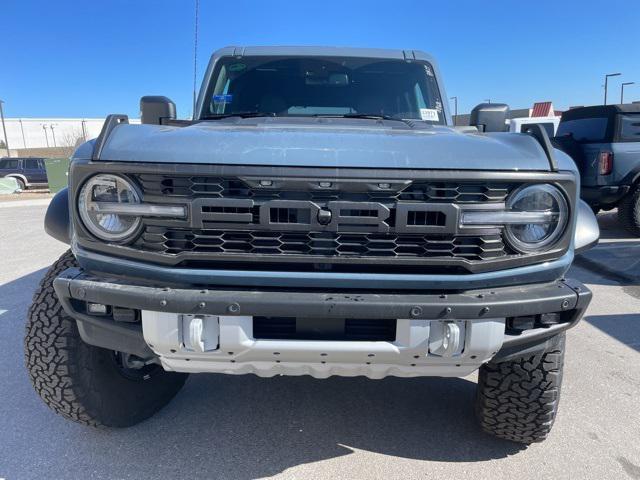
(478, 315)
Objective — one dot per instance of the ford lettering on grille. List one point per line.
(331, 216)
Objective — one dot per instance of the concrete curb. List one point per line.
(26, 203)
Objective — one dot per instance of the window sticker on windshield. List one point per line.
(427, 69)
(224, 98)
(430, 114)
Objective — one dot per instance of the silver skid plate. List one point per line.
(225, 344)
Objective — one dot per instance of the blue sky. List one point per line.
(90, 58)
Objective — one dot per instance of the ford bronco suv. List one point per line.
(604, 141)
(317, 216)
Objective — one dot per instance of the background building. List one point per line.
(49, 137)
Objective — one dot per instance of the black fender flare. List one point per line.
(632, 177)
(57, 221)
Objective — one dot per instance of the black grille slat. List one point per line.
(175, 240)
(219, 187)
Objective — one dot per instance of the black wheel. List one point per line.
(21, 184)
(518, 400)
(83, 383)
(629, 211)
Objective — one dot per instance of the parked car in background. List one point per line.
(604, 141)
(29, 172)
(519, 125)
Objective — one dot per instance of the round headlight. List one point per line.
(100, 193)
(547, 221)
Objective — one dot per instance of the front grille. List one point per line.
(342, 220)
(175, 240)
(234, 217)
(349, 329)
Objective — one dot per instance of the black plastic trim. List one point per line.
(110, 123)
(604, 195)
(56, 221)
(540, 134)
(536, 340)
(105, 332)
(560, 296)
(632, 177)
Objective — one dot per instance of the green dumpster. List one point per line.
(57, 173)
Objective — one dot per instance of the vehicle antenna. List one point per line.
(195, 57)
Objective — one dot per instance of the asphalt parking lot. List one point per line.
(245, 427)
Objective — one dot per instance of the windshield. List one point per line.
(319, 86)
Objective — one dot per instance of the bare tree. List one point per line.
(70, 140)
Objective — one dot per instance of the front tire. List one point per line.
(87, 384)
(518, 400)
(629, 211)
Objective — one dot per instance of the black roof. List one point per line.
(600, 111)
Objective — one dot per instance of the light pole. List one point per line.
(455, 109)
(46, 137)
(606, 83)
(4, 130)
(53, 134)
(24, 140)
(622, 90)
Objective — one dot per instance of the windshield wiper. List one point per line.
(217, 116)
(370, 116)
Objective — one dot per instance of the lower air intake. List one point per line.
(349, 329)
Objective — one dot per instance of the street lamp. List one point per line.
(53, 134)
(606, 82)
(455, 109)
(4, 130)
(622, 90)
(46, 137)
(24, 140)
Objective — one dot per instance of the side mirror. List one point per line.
(156, 110)
(490, 117)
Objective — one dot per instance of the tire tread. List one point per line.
(518, 400)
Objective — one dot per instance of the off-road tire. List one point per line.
(518, 400)
(79, 381)
(629, 211)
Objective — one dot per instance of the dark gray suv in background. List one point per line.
(604, 141)
(28, 172)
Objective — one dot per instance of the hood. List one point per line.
(326, 145)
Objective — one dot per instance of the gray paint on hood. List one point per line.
(328, 145)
